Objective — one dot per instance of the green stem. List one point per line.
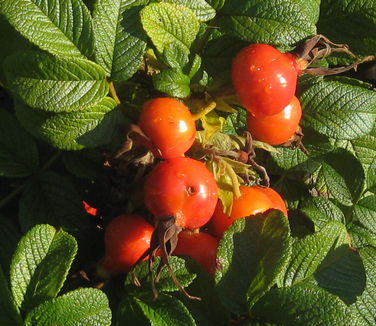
(113, 92)
(18, 190)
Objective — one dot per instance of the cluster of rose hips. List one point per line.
(265, 81)
(181, 190)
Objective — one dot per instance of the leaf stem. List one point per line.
(209, 107)
(234, 180)
(18, 190)
(113, 92)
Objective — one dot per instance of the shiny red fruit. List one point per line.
(184, 188)
(253, 200)
(200, 246)
(169, 125)
(127, 237)
(264, 78)
(278, 128)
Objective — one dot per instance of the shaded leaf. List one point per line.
(252, 254)
(18, 151)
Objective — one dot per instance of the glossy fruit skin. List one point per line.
(90, 210)
(278, 128)
(126, 238)
(264, 78)
(200, 246)
(253, 200)
(182, 187)
(169, 125)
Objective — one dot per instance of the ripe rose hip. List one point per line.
(264, 78)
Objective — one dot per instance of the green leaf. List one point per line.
(360, 236)
(302, 305)
(201, 8)
(366, 303)
(165, 283)
(166, 23)
(9, 237)
(18, 151)
(56, 84)
(371, 177)
(342, 274)
(11, 42)
(252, 253)
(81, 307)
(309, 252)
(40, 265)
(61, 27)
(119, 37)
(293, 159)
(343, 176)
(86, 163)
(9, 315)
(339, 109)
(51, 198)
(236, 123)
(365, 212)
(209, 310)
(279, 22)
(165, 311)
(91, 128)
(321, 210)
(365, 148)
(172, 82)
(175, 55)
(350, 21)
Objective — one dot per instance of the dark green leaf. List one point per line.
(81, 307)
(339, 109)
(366, 303)
(172, 82)
(165, 283)
(209, 310)
(343, 176)
(9, 237)
(365, 212)
(56, 84)
(165, 311)
(321, 210)
(9, 314)
(18, 152)
(40, 265)
(201, 8)
(302, 305)
(51, 199)
(342, 274)
(166, 23)
(83, 164)
(308, 253)
(252, 254)
(62, 27)
(96, 126)
(119, 38)
(350, 21)
(280, 22)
